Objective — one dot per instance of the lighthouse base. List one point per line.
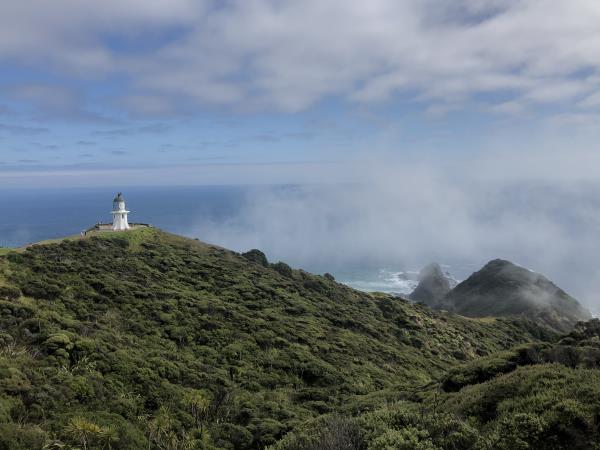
(108, 227)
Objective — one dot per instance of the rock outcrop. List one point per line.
(433, 285)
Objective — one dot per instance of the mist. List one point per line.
(405, 215)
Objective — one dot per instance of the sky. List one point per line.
(444, 129)
(262, 91)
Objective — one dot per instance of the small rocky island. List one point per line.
(433, 285)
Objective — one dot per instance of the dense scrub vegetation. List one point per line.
(535, 396)
(144, 340)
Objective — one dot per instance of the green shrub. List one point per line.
(232, 436)
(256, 256)
(283, 269)
(409, 438)
(15, 436)
(477, 371)
(10, 293)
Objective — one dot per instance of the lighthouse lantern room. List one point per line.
(119, 214)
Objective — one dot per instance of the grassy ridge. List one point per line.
(145, 339)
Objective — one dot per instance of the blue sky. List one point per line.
(175, 85)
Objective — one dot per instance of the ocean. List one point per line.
(270, 218)
(33, 215)
(390, 280)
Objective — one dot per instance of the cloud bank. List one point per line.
(405, 215)
(504, 56)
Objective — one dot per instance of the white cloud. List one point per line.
(403, 215)
(44, 97)
(592, 101)
(70, 35)
(288, 55)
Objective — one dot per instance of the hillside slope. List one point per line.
(501, 288)
(543, 396)
(144, 339)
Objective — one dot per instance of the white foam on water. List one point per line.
(390, 281)
(386, 280)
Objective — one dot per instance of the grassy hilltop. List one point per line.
(143, 339)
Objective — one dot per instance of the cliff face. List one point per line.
(502, 288)
(159, 341)
(433, 286)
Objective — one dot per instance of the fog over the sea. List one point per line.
(456, 131)
(545, 216)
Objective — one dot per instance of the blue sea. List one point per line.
(289, 226)
(232, 216)
(33, 215)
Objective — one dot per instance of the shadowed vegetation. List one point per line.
(535, 396)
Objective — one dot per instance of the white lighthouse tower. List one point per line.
(119, 214)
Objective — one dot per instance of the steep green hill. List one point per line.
(502, 288)
(144, 339)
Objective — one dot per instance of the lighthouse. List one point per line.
(119, 214)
